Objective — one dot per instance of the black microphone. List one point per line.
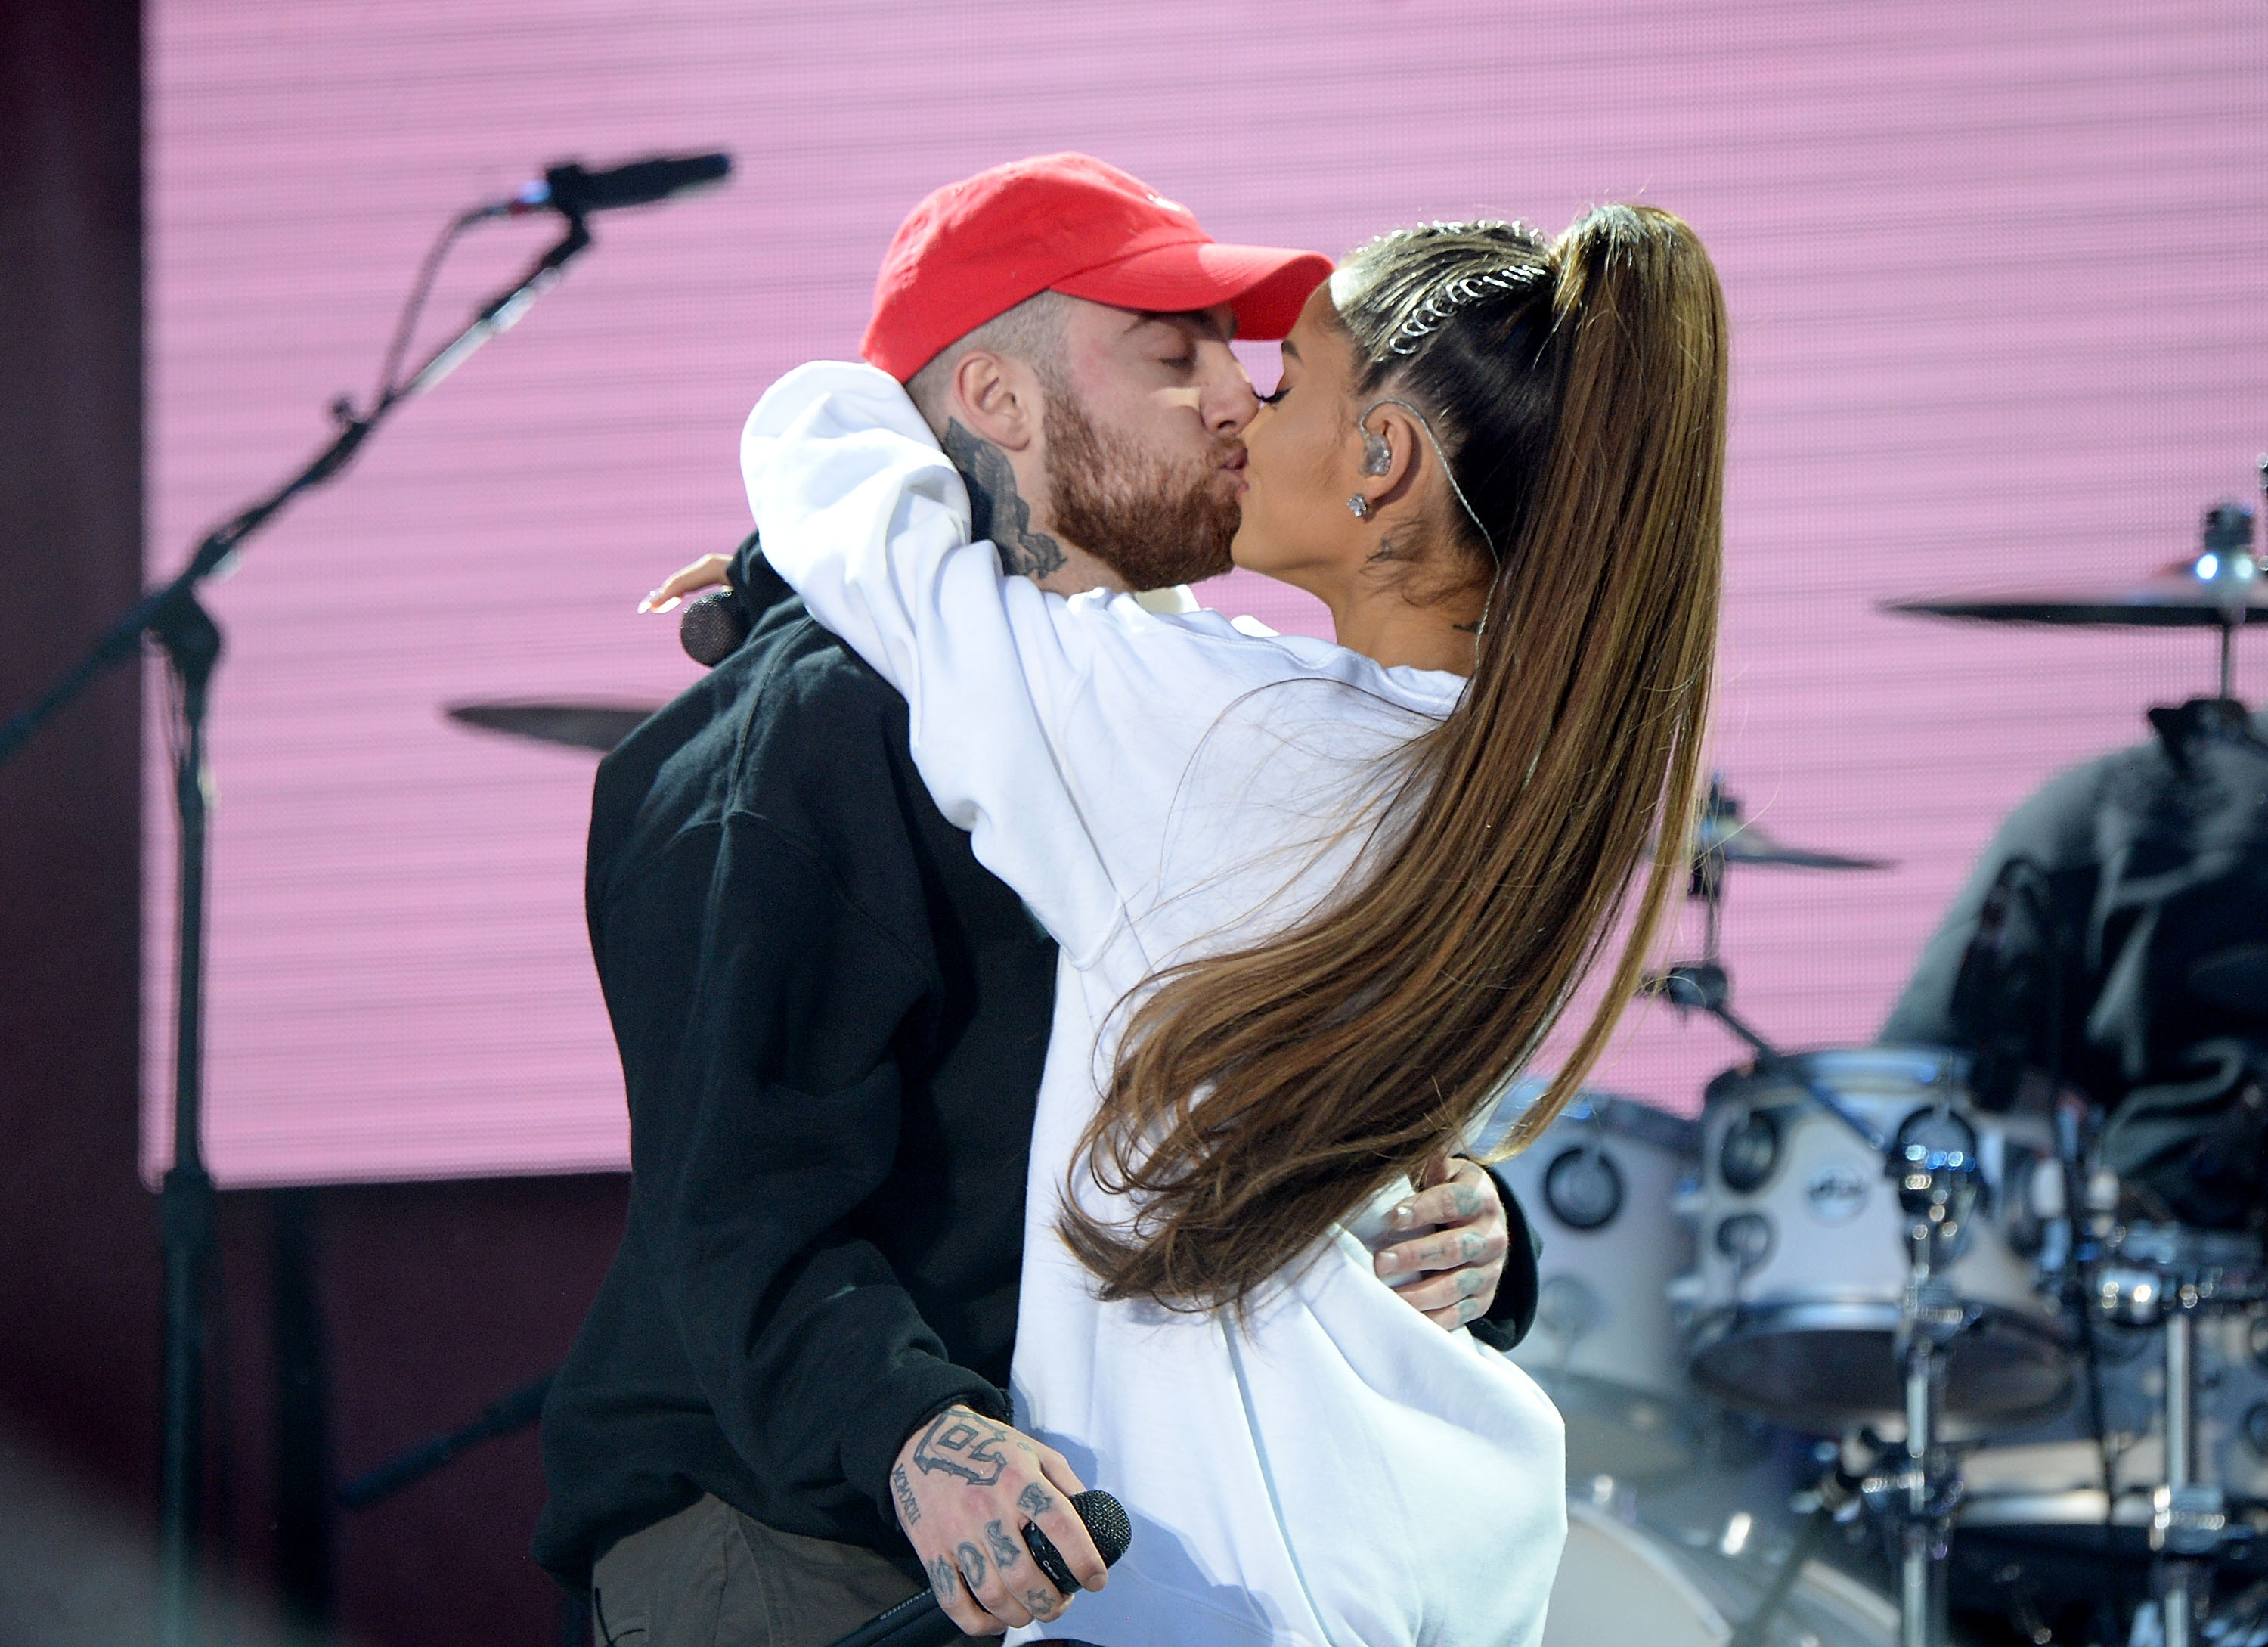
(919, 1621)
(712, 626)
(574, 191)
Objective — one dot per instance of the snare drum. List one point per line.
(1599, 1186)
(1793, 1304)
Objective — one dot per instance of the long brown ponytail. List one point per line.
(1261, 1096)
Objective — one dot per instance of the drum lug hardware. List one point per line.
(2187, 1520)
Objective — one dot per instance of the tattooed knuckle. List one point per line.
(943, 1579)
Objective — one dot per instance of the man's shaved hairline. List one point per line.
(1031, 332)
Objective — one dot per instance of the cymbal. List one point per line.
(578, 726)
(1720, 836)
(1734, 841)
(2209, 590)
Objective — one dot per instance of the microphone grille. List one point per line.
(1106, 1523)
(712, 628)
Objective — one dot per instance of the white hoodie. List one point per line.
(1337, 1471)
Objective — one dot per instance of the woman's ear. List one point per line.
(997, 398)
(1388, 463)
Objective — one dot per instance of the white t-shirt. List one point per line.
(1338, 1470)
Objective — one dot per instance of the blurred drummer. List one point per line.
(2113, 938)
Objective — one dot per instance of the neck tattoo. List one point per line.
(997, 510)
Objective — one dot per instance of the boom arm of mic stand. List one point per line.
(123, 639)
(500, 313)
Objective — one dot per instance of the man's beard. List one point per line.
(1153, 520)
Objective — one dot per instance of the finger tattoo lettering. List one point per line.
(1005, 1552)
(959, 1442)
(972, 1564)
(1467, 1198)
(1469, 1248)
(902, 1486)
(1036, 1501)
(943, 1579)
(1042, 1604)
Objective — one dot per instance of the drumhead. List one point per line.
(1856, 1070)
(1619, 1585)
(1823, 1366)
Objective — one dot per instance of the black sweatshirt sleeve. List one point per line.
(1513, 1313)
(760, 1010)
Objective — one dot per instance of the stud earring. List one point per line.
(1359, 505)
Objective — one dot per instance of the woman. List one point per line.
(1316, 903)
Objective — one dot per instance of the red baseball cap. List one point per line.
(1065, 223)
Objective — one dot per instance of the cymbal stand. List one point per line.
(1705, 985)
(2229, 551)
(1937, 1189)
(2189, 1519)
(2186, 1516)
(1834, 1499)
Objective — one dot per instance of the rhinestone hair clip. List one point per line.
(1455, 293)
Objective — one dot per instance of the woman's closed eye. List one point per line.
(1276, 393)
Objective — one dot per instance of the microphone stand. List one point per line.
(173, 617)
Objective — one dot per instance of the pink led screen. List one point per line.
(1999, 277)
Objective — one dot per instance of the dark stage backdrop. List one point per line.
(1997, 276)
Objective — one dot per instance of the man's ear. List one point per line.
(998, 399)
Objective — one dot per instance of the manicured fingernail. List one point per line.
(1403, 1214)
(1388, 1261)
(646, 605)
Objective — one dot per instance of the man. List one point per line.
(784, 1411)
(2113, 938)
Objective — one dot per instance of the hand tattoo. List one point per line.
(1467, 1198)
(908, 1507)
(997, 509)
(1005, 1552)
(944, 1579)
(1469, 1249)
(1036, 1501)
(972, 1564)
(960, 1442)
(1042, 1604)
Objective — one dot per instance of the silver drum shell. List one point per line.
(1604, 1346)
(1803, 1333)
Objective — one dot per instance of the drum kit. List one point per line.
(1853, 1359)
